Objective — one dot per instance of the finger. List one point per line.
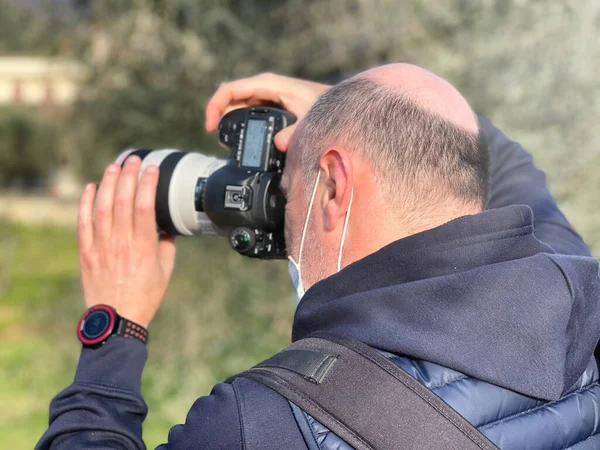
(282, 139)
(85, 219)
(166, 253)
(240, 104)
(103, 209)
(256, 88)
(144, 216)
(125, 196)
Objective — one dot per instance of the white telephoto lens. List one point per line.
(179, 196)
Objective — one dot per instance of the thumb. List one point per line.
(166, 253)
(282, 139)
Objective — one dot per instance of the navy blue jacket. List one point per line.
(497, 320)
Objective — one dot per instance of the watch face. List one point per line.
(96, 325)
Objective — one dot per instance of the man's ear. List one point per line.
(338, 174)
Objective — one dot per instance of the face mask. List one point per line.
(293, 266)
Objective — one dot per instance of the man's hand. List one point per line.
(123, 264)
(296, 96)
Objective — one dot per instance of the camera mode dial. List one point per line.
(242, 239)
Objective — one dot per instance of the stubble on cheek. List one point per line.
(291, 233)
(315, 263)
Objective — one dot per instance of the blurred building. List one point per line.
(45, 86)
(38, 81)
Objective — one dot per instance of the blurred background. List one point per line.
(81, 80)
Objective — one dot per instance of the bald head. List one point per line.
(426, 90)
(416, 131)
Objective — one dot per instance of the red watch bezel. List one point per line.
(109, 330)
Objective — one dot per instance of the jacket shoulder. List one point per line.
(242, 414)
(212, 422)
(267, 420)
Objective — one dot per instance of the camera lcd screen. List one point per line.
(253, 147)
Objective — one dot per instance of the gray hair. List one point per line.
(409, 147)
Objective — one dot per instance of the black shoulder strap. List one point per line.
(364, 398)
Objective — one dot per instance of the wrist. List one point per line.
(118, 363)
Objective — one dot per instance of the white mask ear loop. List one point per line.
(339, 265)
(312, 199)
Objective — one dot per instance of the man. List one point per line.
(401, 243)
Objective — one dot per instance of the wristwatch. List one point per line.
(101, 322)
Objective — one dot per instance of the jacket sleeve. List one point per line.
(514, 179)
(104, 408)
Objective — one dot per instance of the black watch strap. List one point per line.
(130, 329)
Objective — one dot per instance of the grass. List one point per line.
(222, 314)
(38, 266)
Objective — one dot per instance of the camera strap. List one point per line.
(363, 397)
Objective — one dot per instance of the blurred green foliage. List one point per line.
(29, 148)
(45, 31)
(529, 65)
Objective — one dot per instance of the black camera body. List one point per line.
(243, 198)
(237, 197)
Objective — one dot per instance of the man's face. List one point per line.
(319, 253)
(297, 205)
(322, 242)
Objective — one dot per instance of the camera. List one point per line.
(237, 197)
